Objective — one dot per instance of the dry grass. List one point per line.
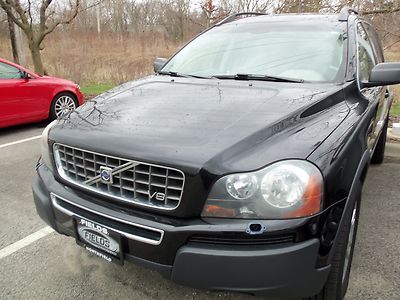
(91, 59)
(393, 54)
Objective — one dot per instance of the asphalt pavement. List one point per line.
(54, 267)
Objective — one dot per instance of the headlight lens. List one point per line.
(45, 145)
(284, 185)
(241, 186)
(286, 189)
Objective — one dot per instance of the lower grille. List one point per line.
(243, 241)
(122, 179)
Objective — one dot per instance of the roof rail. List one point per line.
(345, 12)
(233, 17)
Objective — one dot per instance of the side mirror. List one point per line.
(384, 74)
(25, 75)
(159, 64)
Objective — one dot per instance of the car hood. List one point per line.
(220, 125)
(57, 80)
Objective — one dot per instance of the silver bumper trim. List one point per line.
(57, 206)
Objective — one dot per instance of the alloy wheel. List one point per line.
(63, 105)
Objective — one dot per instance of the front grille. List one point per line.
(130, 181)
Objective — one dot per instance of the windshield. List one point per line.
(304, 52)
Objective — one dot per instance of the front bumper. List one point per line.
(166, 245)
(79, 95)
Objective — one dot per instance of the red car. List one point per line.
(28, 97)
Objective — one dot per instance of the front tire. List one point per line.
(338, 280)
(62, 104)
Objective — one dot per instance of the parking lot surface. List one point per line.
(54, 267)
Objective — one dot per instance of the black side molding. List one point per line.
(355, 189)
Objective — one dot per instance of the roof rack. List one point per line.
(233, 17)
(345, 12)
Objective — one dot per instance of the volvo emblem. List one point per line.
(106, 175)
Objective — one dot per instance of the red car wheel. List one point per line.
(62, 104)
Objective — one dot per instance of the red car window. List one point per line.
(9, 72)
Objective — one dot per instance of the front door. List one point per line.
(19, 100)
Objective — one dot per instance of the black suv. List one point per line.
(238, 166)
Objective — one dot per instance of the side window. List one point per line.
(376, 42)
(9, 72)
(366, 57)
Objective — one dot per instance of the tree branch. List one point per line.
(388, 31)
(20, 11)
(92, 5)
(9, 6)
(30, 14)
(381, 11)
(391, 45)
(50, 28)
(42, 15)
(197, 23)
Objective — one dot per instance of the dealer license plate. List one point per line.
(98, 239)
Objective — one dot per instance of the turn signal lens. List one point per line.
(218, 211)
(311, 200)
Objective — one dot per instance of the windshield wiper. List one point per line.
(258, 77)
(173, 74)
(176, 74)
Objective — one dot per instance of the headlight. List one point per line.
(286, 189)
(45, 145)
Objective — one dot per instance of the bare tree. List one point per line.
(175, 16)
(254, 5)
(3, 23)
(302, 6)
(209, 10)
(235, 6)
(38, 19)
(13, 40)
